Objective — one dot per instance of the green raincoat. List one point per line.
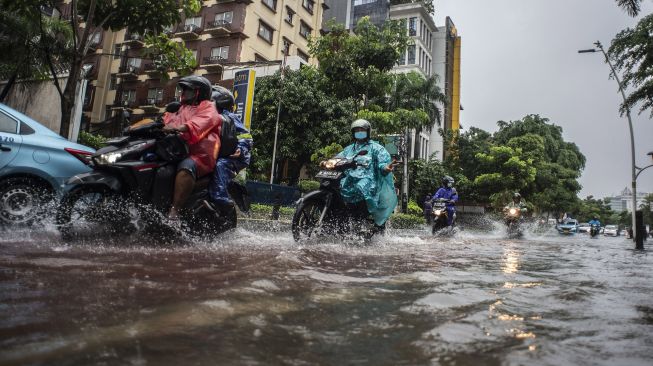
(369, 182)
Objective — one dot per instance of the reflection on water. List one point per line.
(257, 298)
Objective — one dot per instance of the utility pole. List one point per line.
(276, 128)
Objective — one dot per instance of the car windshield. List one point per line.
(610, 227)
(584, 224)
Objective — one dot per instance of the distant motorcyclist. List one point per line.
(198, 122)
(371, 182)
(448, 192)
(227, 167)
(428, 209)
(517, 202)
(595, 222)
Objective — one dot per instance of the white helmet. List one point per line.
(361, 123)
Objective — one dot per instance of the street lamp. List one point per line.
(632, 139)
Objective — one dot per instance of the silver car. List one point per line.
(611, 230)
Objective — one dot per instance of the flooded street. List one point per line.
(257, 298)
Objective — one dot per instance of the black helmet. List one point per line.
(198, 83)
(223, 98)
(361, 123)
(447, 181)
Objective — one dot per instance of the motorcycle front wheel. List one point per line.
(90, 211)
(305, 219)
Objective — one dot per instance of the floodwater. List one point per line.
(257, 298)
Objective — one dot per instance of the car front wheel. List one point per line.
(22, 201)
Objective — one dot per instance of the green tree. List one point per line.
(31, 43)
(310, 119)
(632, 7)
(139, 16)
(632, 52)
(590, 207)
(357, 65)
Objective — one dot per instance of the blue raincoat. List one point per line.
(448, 194)
(369, 182)
(227, 168)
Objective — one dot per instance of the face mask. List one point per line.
(360, 135)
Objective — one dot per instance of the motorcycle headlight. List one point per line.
(513, 211)
(330, 164)
(437, 212)
(114, 156)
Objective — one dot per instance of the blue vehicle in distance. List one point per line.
(568, 227)
(34, 164)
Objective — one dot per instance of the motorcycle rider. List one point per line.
(372, 181)
(228, 167)
(428, 209)
(198, 123)
(517, 202)
(595, 222)
(448, 192)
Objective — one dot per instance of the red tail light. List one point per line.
(83, 156)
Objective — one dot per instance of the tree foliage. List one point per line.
(310, 119)
(357, 64)
(632, 7)
(168, 55)
(632, 51)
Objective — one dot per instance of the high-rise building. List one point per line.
(435, 51)
(225, 36)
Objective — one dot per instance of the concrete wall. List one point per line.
(39, 100)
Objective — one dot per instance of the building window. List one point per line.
(286, 46)
(289, 15)
(117, 49)
(134, 62)
(154, 96)
(220, 53)
(95, 40)
(259, 58)
(402, 59)
(304, 30)
(192, 24)
(308, 5)
(272, 4)
(112, 82)
(412, 26)
(129, 96)
(224, 18)
(363, 2)
(194, 52)
(411, 55)
(302, 55)
(265, 31)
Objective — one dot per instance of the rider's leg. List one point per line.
(184, 183)
(221, 178)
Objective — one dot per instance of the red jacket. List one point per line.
(203, 136)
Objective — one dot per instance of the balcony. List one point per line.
(134, 40)
(150, 105)
(218, 28)
(128, 72)
(213, 63)
(188, 32)
(152, 71)
(246, 2)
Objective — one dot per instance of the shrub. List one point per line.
(307, 185)
(405, 221)
(414, 209)
(89, 139)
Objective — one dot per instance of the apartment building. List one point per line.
(225, 36)
(435, 51)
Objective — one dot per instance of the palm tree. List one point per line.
(632, 7)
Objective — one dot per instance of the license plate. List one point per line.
(328, 174)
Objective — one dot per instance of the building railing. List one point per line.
(219, 24)
(213, 60)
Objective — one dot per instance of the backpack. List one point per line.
(228, 137)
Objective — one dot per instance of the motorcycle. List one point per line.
(441, 217)
(512, 217)
(594, 230)
(323, 212)
(133, 176)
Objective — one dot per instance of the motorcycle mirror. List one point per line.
(173, 107)
(362, 152)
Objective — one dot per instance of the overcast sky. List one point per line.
(520, 57)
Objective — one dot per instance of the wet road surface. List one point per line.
(257, 298)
